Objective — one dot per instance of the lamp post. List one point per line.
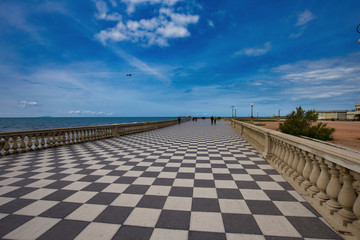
(235, 112)
(232, 111)
(252, 118)
(279, 115)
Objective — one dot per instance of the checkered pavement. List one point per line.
(189, 181)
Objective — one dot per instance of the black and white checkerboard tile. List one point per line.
(189, 181)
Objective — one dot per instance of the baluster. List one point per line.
(36, 142)
(15, 145)
(295, 164)
(283, 165)
(346, 199)
(356, 208)
(49, 142)
(276, 150)
(314, 175)
(73, 133)
(323, 182)
(29, 143)
(42, 141)
(306, 172)
(333, 190)
(290, 169)
(6, 146)
(300, 167)
(22, 144)
(281, 155)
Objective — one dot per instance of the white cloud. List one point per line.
(255, 51)
(87, 112)
(211, 23)
(131, 4)
(304, 18)
(74, 112)
(24, 104)
(157, 30)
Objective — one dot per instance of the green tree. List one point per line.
(299, 123)
(357, 117)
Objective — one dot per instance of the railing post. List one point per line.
(267, 148)
(322, 183)
(115, 131)
(333, 190)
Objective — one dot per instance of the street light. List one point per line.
(252, 118)
(235, 112)
(232, 111)
(279, 114)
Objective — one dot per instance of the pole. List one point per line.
(252, 118)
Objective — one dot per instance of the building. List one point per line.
(332, 115)
(351, 115)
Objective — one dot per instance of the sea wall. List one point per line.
(326, 176)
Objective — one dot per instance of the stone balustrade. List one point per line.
(326, 176)
(24, 141)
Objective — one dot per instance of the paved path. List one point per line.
(189, 181)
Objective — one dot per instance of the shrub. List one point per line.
(299, 122)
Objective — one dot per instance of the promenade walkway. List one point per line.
(189, 181)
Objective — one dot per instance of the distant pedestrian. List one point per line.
(179, 120)
(212, 120)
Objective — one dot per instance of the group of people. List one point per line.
(213, 120)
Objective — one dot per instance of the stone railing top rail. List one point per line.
(41, 131)
(343, 157)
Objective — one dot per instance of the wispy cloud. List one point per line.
(256, 51)
(302, 21)
(158, 30)
(24, 104)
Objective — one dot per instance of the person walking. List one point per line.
(179, 120)
(212, 119)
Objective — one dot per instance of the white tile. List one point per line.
(167, 175)
(87, 212)
(256, 172)
(73, 177)
(144, 181)
(76, 186)
(133, 174)
(169, 234)
(107, 179)
(179, 182)
(9, 181)
(101, 172)
(143, 217)
(206, 221)
(154, 169)
(39, 193)
(4, 200)
(204, 192)
(98, 231)
(186, 170)
(178, 203)
(242, 177)
(40, 183)
(6, 189)
(269, 185)
(158, 190)
(254, 194)
(239, 236)
(276, 226)
(36, 208)
(220, 170)
(205, 176)
(225, 184)
(293, 209)
(80, 197)
(277, 178)
(115, 188)
(234, 206)
(296, 195)
(33, 228)
(127, 200)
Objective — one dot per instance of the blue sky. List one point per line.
(196, 57)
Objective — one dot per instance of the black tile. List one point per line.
(19, 192)
(192, 165)
(203, 170)
(263, 207)
(181, 191)
(281, 238)
(247, 185)
(137, 189)
(103, 198)
(219, 176)
(186, 175)
(250, 166)
(204, 183)
(163, 181)
(58, 184)
(174, 220)
(139, 168)
(61, 210)
(85, 171)
(59, 195)
(311, 209)
(126, 180)
(150, 174)
(262, 178)
(310, 227)
(218, 165)
(96, 187)
(193, 235)
(229, 193)
(116, 173)
(149, 201)
(15, 205)
(205, 205)
(58, 176)
(240, 223)
(89, 178)
(286, 185)
(65, 229)
(270, 171)
(11, 222)
(114, 215)
(237, 171)
(276, 195)
(132, 232)
(24, 182)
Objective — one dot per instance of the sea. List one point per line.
(20, 124)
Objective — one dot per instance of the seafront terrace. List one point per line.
(189, 181)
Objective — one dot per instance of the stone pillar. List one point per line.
(314, 175)
(306, 173)
(333, 190)
(322, 183)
